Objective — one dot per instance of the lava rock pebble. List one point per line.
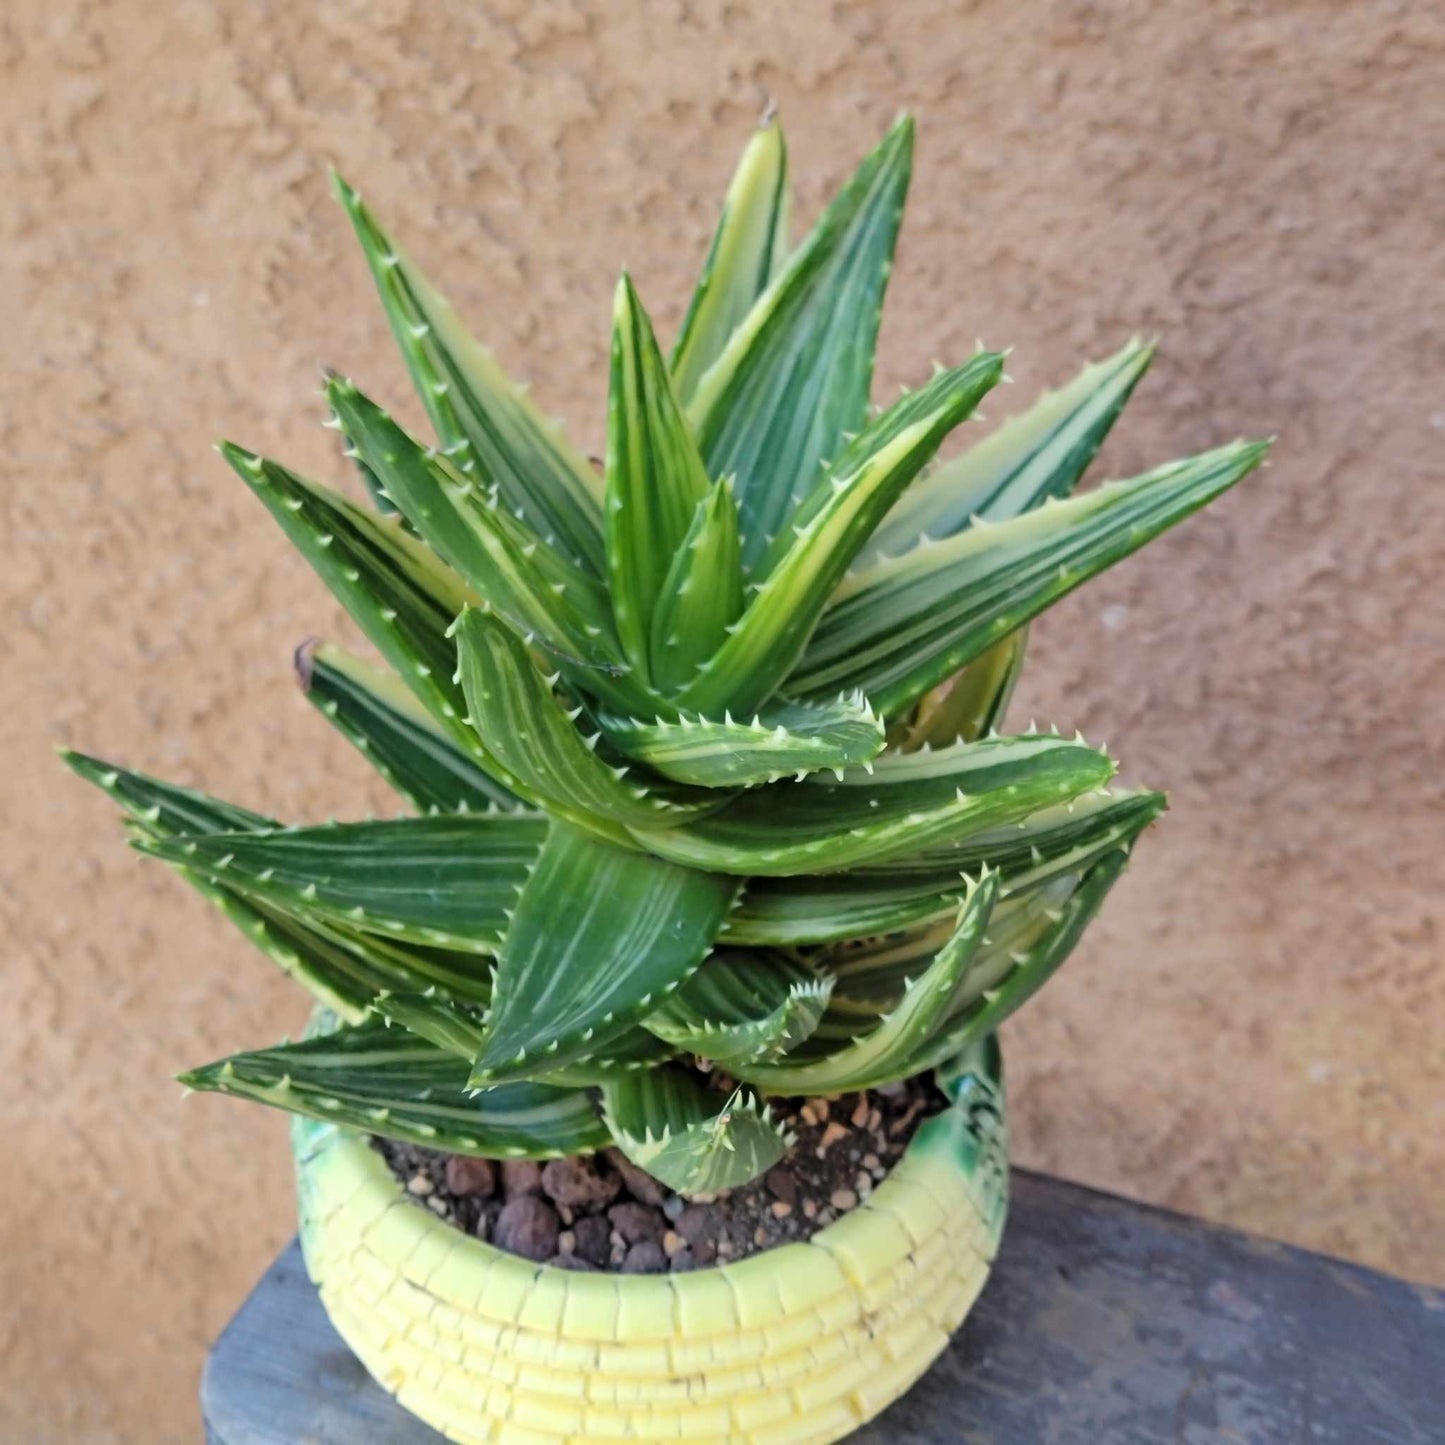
(638, 1182)
(521, 1176)
(637, 1222)
(695, 1224)
(593, 1239)
(644, 1257)
(527, 1226)
(471, 1178)
(781, 1184)
(589, 1182)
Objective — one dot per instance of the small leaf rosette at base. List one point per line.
(799, 1345)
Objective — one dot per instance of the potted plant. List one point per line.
(652, 1090)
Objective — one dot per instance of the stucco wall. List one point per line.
(1247, 1033)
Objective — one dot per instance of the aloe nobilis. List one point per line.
(711, 803)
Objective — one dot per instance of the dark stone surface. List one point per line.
(644, 1257)
(589, 1182)
(593, 1239)
(527, 1226)
(636, 1222)
(1106, 1323)
(639, 1183)
(475, 1178)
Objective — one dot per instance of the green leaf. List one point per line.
(156, 810)
(400, 595)
(369, 478)
(533, 745)
(742, 1006)
(1047, 833)
(787, 911)
(453, 1027)
(372, 483)
(831, 523)
(902, 626)
(1026, 927)
(835, 907)
(382, 1080)
(872, 976)
(158, 807)
(794, 377)
(882, 1055)
(438, 878)
(1041, 453)
(449, 880)
(340, 971)
(748, 250)
(544, 596)
(375, 712)
(340, 978)
(655, 477)
(400, 966)
(342, 965)
(702, 594)
(486, 423)
(1072, 839)
(337, 966)
(906, 434)
(783, 739)
(599, 939)
(1026, 972)
(627, 1052)
(909, 803)
(971, 703)
(694, 1139)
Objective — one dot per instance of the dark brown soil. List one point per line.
(602, 1212)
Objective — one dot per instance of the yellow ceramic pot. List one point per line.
(802, 1343)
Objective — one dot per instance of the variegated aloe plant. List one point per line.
(703, 746)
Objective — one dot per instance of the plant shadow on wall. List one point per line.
(712, 809)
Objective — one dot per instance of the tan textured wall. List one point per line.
(1248, 1032)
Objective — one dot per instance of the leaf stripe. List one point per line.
(910, 802)
(747, 251)
(600, 937)
(783, 739)
(794, 377)
(382, 1080)
(904, 625)
(1039, 454)
(448, 880)
(655, 476)
(485, 422)
(382, 719)
(397, 591)
(831, 524)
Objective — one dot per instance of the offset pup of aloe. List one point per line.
(711, 804)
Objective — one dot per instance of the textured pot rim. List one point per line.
(968, 1135)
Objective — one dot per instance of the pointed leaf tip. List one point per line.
(344, 191)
